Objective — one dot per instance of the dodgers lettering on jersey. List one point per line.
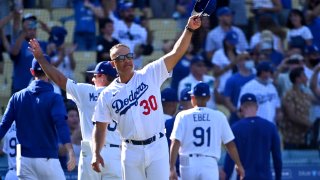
(135, 106)
(123, 105)
(85, 96)
(201, 130)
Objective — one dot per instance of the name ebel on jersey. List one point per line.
(123, 105)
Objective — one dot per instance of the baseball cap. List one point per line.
(312, 49)
(224, 11)
(295, 58)
(29, 16)
(196, 59)
(232, 37)
(248, 97)
(57, 35)
(104, 67)
(125, 6)
(264, 66)
(184, 94)
(204, 7)
(201, 89)
(169, 95)
(36, 66)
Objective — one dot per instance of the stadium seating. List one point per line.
(60, 13)
(83, 60)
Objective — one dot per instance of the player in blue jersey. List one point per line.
(40, 118)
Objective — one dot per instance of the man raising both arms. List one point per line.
(85, 97)
(133, 100)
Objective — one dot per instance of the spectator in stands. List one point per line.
(4, 42)
(182, 69)
(245, 66)
(74, 125)
(198, 73)
(265, 92)
(215, 37)
(266, 48)
(105, 41)
(224, 59)
(130, 33)
(162, 8)
(169, 99)
(266, 23)
(314, 26)
(240, 18)
(282, 80)
(62, 56)
(183, 11)
(266, 7)
(60, 3)
(312, 59)
(298, 35)
(296, 109)
(313, 6)
(256, 138)
(86, 12)
(20, 54)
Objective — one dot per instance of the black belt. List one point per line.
(201, 155)
(12, 169)
(113, 145)
(144, 142)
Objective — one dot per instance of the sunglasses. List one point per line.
(124, 57)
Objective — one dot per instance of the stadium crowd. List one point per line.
(271, 50)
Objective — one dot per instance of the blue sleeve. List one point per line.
(59, 115)
(7, 118)
(276, 154)
(228, 88)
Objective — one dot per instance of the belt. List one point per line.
(201, 155)
(113, 145)
(146, 141)
(12, 169)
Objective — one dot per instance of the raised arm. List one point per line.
(181, 46)
(54, 74)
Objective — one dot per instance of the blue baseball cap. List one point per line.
(232, 37)
(169, 95)
(197, 59)
(248, 97)
(224, 11)
(57, 35)
(104, 67)
(184, 94)
(36, 66)
(201, 89)
(125, 6)
(264, 66)
(312, 49)
(204, 7)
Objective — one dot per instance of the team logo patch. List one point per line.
(123, 105)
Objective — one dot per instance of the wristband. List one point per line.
(189, 29)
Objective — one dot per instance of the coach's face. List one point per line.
(122, 66)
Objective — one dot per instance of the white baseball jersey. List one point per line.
(9, 146)
(85, 96)
(190, 81)
(136, 105)
(201, 130)
(267, 98)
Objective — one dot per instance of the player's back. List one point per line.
(204, 130)
(9, 146)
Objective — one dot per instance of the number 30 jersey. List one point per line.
(201, 130)
(9, 145)
(135, 106)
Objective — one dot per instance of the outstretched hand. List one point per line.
(194, 22)
(35, 49)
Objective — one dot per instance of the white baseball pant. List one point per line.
(198, 167)
(145, 162)
(11, 175)
(112, 163)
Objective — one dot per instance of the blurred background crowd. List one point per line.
(267, 47)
